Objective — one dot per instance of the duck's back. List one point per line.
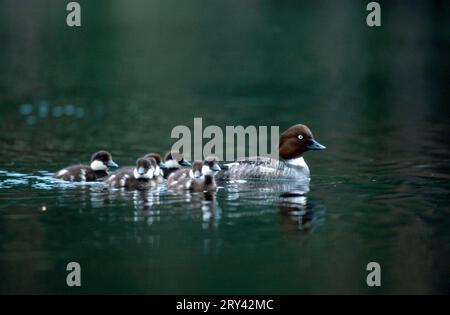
(264, 168)
(180, 180)
(80, 173)
(124, 178)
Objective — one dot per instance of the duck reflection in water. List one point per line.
(299, 214)
(296, 212)
(287, 198)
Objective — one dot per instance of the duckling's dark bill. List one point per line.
(112, 164)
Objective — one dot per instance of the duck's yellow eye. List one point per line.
(300, 137)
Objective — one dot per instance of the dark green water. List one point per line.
(377, 98)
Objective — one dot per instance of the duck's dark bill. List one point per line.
(314, 145)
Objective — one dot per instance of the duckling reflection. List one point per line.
(102, 196)
(99, 196)
(207, 203)
(211, 212)
(145, 200)
(297, 214)
(145, 203)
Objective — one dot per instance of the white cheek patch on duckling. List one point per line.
(172, 164)
(196, 174)
(62, 173)
(98, 166)
(158, 171)
(206, 170)
(148, 175)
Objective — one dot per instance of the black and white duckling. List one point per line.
(159, 162)
(200, 178)
(179, 175)
(155, 156)
(98, 169)
(142, 176)
(149, 156)
(173, 161)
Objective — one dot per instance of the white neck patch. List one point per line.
(98, 166)
(206, 170)
(148, 175)
(298, 162)
(172, 164)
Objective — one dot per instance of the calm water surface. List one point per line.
(378, 99)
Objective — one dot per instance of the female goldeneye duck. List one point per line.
(98, 169)
(144, 175)
(292, 144)
(200, 178)
(173, 161)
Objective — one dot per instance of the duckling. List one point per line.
(180, 175)
(199, 179)
(98, 169)
(158, 160)
(141, 177)
(156, 157)
(173, 161)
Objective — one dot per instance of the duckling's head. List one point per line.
(210, 166)
(159, 163)
(175, 159)
(102, 160)
(155, 156)
(196, 171)
(145, 168)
